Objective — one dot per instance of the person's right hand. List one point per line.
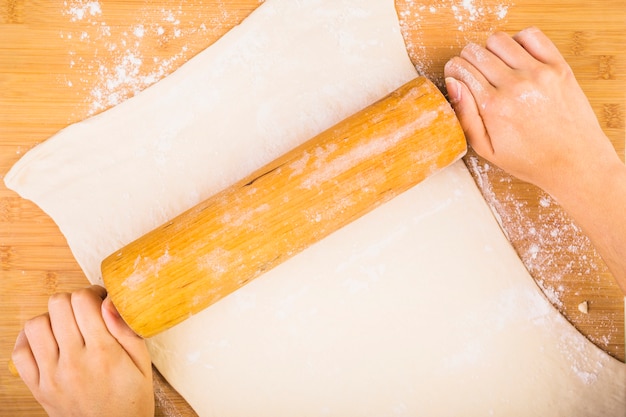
(522, 109)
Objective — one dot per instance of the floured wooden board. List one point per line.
(48, 93)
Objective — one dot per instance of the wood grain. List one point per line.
(58, 66)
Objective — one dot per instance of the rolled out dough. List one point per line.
(419, 308)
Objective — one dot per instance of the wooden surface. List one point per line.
(63, 60)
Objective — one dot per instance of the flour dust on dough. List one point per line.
(419, 308)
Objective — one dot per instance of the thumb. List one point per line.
(133, 344)
(468, 114)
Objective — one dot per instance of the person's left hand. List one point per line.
(81, 359)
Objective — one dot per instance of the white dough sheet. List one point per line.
(420, 308)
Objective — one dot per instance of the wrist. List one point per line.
(586, 175)
(593, 192)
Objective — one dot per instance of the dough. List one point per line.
(419, 308)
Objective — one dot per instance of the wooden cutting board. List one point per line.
(64, 60)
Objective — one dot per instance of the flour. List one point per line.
(120, 63)
(469, 19)
(551, 246)
(556, 229)
(78, 10)
(125, 69)
(139, 31)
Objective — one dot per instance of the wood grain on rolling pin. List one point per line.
(221, 244)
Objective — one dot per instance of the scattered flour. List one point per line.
(121, 61)
(78, 10)
(123, 68)
(470, 20)
(537, 246)
(556, 249)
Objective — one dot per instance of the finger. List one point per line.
(493, 69)
(469, 116)
(509, 51)
(24, 361)
(134, 345)
(42, 343)
(86, 307)
(64, 327)
(99, 290)
(539, 46)
(463, 71)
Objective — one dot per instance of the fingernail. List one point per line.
(454, 90)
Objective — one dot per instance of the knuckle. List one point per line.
(529, 32)
(31, 326)
(91, 294)
(58, 299)
(496, 39)
(82, 297)
(453, 64)
(470, 50)
(98, 289)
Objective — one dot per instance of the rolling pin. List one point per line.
(224, 242)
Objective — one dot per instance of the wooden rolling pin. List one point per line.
(233, 237)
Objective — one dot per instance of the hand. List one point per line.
(522, 109)
(81, 359)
